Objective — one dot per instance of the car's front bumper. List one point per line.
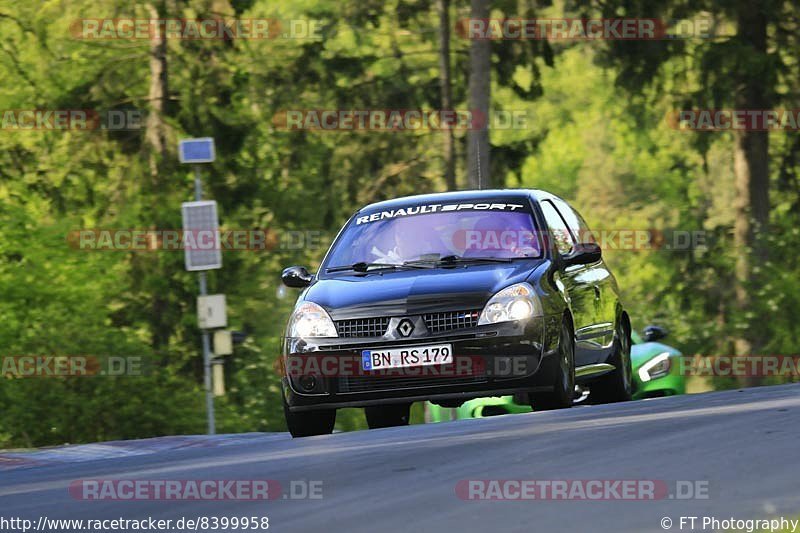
(490, 360)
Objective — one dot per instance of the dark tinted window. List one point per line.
(577, 226)
(558, 229)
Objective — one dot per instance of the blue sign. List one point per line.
(196, 150)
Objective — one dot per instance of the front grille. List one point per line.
(362, 327)
(441, 322)
(379, 383)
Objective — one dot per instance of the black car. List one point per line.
(452, 296)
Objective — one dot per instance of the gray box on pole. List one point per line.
(202, 247)
(223, 342)
(211, 312)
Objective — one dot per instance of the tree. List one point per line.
(742, 69)
(753, 90)
(448, 139)
(480, 61)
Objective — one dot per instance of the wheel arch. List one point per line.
(624, 317)
(566, 315)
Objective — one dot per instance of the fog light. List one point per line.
(308, 382)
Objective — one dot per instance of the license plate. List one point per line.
(438, 354)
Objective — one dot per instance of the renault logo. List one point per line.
(405, 327)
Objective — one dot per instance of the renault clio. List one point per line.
(453, 296)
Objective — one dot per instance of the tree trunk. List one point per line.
(157, 95)
(448, 140)
(751, 169)
(480, 55)
(155, 139)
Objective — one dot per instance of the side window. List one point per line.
(558, 229)
(577, 226)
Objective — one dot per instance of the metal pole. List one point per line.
(198, 195)
(198, 184)
(478, 154)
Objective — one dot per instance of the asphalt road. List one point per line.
(743, 444)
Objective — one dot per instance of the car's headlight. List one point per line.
(311, 320)
(656, 367)
(516, 302)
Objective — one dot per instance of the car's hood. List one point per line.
(643, 352)
(416, 291)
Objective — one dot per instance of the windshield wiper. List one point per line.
(366, 267)
(418, 263)
(458, 260)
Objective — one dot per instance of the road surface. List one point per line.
(741, 445)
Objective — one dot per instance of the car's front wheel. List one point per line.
(309, 423)
(616, 386)
(563, 392)
(386, 416)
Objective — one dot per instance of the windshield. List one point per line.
(378, 238)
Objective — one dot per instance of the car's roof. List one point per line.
(459, 196)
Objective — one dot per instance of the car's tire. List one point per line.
(387, 416)
(563, 392)
(616, 386)
(309, 423)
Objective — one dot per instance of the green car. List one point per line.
(656, 366)
(656, 372)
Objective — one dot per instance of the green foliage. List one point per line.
(611, 153)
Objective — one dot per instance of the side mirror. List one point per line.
(584, 254)
(654, 333)
(296, 277)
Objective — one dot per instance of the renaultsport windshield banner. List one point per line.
(500, 206)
